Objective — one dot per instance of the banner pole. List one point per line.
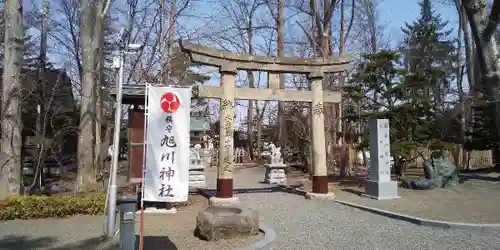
(141, 230)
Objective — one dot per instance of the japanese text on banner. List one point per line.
(167, 158)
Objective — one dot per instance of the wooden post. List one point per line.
(320, 178)
(226, 130)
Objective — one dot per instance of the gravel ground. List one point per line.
(169, 232)
(302, 224)
(78, 232)
(474, 201)
(435, 204)
(179, 229)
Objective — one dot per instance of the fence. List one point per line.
(241, 156)
(477, 159)
(345, 156)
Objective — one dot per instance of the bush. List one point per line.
(38, 207)
(35, 207)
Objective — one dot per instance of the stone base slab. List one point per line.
(275, 173)
(216, 201)
(197, 168)
(280, 181)
(197, 184)
(276, 165)
(158, 211)
(386, 190)
(316, 196)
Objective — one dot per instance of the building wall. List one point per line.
(136, 142)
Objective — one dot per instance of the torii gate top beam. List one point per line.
(208, 56)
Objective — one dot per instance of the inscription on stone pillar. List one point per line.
(226, 154)
(380, 156)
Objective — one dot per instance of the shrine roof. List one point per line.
(132, 93)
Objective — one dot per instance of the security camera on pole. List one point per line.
(118, 63)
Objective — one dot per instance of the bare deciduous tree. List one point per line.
(369, 30)
(91, 32)
(487, 54)
(11, 145)
(278, 14)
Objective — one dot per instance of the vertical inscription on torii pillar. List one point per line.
(320, 178)
(226, 149)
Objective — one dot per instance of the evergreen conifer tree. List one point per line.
(430, 58)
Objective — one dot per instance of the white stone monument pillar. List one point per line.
(379, 185)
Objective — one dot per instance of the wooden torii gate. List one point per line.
(229, 63)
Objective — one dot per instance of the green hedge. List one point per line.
(35, 207)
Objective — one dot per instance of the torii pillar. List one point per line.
(320, 175)
(224, 195)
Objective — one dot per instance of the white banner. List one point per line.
(166, 172)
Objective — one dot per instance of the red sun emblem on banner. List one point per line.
(170, 102)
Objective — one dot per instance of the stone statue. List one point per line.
(205, 141)
(276, 155)
(210, 144)
(194, 155)
(275, 168)
(197, 148)
(438, 172)
(196, 168)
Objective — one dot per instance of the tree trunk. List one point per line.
(43, 107)
(467, 44)
(487, 53)
(98, 92)
(11, 141)
(259, 142)
(461, 95)
(280, 30)
(251, 84)
(90, 33)
(342, 27)
(171, 27)
(98, 131)
(467, 111)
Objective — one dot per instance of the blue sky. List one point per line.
(393, 13)
(396, 12)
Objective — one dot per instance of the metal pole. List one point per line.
(111, 219)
